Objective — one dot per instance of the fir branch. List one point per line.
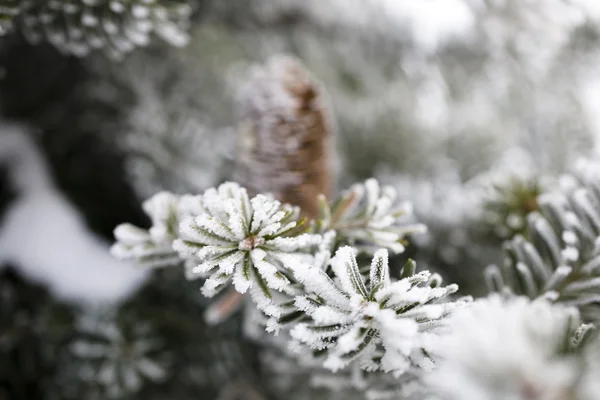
(370, 320)
(513, 347)
(223, 235)
(348, 313)
(560, 258)
(244, 241)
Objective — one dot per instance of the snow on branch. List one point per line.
(371, 320)
(261, 246)
(223, 234)
(514, 348)
(559, 258)
(245, 241)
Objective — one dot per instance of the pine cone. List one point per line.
(285, 129)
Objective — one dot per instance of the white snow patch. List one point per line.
(44, 236)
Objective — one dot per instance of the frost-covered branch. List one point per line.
(258, 245)
(560, 258)
(365, 216)
(223, 235)
(248, 242)
(372, 320)
(514, 348)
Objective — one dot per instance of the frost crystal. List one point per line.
(247, 241)
(512, 349)
(366, 216)
(380, 323)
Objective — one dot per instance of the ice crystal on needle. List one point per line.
(381, 323)
(246, 241)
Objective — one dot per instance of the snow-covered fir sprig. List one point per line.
(224, 236)
(514, 348)
(371, 320)
(115, 27)
(249, 242)
(367, 217)
(154, 247)
(227, 237)
(560, 257)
